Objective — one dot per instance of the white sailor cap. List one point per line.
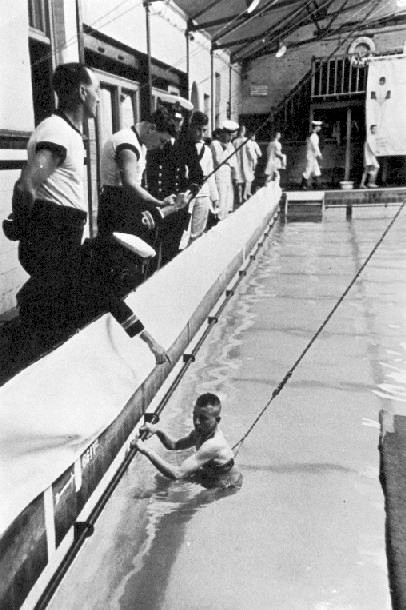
(135, 244)
(317, 123)
(229, 126)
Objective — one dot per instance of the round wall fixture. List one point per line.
(360, 49)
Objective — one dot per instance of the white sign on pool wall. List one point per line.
(386, 94)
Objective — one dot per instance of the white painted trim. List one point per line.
(13, 154)
(50, 521)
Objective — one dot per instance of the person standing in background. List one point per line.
(225, 164)
(208, 197)
(313, 156)
(255, 154)
(371, 165)
(276, 160)
(244, 162)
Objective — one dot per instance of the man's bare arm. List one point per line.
(32, 176)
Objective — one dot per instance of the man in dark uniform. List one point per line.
(172, 170)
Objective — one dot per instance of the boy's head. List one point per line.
(198, 126)
(206, 413)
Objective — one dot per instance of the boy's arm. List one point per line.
(189, 466)
(167, 441)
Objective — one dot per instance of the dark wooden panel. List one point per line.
(23, 554)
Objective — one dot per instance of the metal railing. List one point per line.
(337, 77)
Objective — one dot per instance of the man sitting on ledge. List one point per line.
(213, 463)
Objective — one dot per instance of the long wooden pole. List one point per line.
(81, 51)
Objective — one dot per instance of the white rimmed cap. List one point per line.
(229, 125)
(135, 245)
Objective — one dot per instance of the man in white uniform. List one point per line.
(371, 165)
(207, 198)
(225, 164)
(313, 156)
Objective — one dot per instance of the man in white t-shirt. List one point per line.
(125, 205)
(49, 215)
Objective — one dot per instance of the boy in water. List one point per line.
(213, 463)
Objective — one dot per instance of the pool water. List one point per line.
(307, 529)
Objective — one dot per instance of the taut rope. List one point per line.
(290, 372)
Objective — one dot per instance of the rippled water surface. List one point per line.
(306, 531)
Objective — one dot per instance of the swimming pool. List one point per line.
(306, 531)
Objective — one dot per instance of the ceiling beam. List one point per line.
(194, 27)
(271, 48)
(205, 9)
(278, 29)
(312, 15)
(246, 17)
(240, 55)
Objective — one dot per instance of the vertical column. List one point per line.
(81, 52)
(212, 88)
(229, 92)
(149, 63)
(348, 147)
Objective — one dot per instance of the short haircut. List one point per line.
(161, 119)
(199, 119)
(172, 128)
(67, 80)
(210, 401)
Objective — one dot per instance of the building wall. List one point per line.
(15, 75)
(127, 24)
(17, 114)
(281, 75)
